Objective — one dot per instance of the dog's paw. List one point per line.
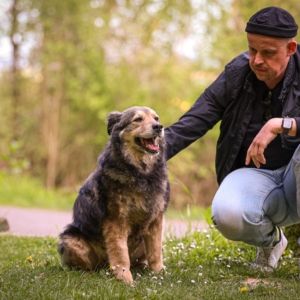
(123, 274)
(157, 267)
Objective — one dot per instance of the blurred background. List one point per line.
(65, 64)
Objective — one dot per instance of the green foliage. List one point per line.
(87, 58)
(199, 266)
(12, 159)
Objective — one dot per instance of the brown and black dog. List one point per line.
(118, 214)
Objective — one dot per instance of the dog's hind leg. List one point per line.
(153, 243)
(115, 235)
(77, 252)
(137, 254)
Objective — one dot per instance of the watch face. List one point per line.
(287, 123)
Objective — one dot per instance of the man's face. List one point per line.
(269, 57)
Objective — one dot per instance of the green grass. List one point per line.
(189, 213)
(199, 266)
(19, 190)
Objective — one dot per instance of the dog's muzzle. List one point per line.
(151, 144)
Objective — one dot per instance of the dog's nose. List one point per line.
(157, 128)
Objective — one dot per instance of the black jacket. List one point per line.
(230, 99)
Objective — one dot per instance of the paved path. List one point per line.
(40, 222)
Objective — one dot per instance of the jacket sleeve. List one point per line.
(297, 119)
(202, 116)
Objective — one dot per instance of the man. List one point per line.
(257, 99)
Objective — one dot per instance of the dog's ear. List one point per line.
(113, 118)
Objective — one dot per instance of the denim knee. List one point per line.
(237, 225)
(228, 220)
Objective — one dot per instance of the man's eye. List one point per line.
(268, 53)
(251, 50)
(138, 119)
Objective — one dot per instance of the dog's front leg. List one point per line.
(153, 243)
(115, 235)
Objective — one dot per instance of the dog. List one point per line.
(118, 213)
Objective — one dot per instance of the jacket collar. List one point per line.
(289, 77)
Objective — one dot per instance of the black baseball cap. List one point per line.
(272, 21)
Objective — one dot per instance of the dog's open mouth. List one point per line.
(151, 145)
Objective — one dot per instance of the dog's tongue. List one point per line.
(150, 144)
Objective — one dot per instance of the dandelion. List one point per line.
(193, 281)
(244, 289)
(29, 259)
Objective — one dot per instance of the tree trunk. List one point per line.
(15, 72)
(52, 99)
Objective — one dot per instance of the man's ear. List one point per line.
(292, 46)
(112, 119)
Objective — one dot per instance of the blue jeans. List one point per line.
(250, 202)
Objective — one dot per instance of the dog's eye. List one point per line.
(138, 119)
(156, 118)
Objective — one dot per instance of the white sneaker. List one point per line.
(267, 258)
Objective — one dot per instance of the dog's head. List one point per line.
(138, 128)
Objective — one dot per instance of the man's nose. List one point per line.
(257, 59)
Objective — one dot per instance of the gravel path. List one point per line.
(40, 222)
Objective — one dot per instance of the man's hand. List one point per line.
(264, 137)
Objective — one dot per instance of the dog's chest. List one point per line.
(134, 206)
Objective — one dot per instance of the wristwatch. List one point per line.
(286, 125)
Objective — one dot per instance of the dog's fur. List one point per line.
(118, 214)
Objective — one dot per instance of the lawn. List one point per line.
(199, 266)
